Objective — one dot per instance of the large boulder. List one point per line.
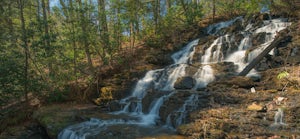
(56, 117)
(186, 82)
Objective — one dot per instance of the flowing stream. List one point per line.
(163, 80)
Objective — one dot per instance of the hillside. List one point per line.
(184, 83)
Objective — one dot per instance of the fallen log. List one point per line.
(282, 37)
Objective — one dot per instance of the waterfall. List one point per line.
(143, 84)
(183, 56)
(183, 111)
(89, 128)
(161, 81)
(213, 29)
(271, 27)
(154, 112)
(173, 76)
(203, 76)
(139, 92)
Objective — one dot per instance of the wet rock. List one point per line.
(185, 83)
(151, 96)
(236, 27)
(136, 131)
(114, 106)
(30, 130)
(264, 16)
(204, 43)
(173, 104)
(224, 69)
(55, 118)
(263, 65)
(258, 39)
(191, 69)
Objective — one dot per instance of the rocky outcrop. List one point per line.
(55, 118)
(281, 39)
(185, 83)
(173, 104)
(150, 97)
(229, 115)
(258, 39)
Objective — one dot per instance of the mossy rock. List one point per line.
(54, 122)
(55, 118)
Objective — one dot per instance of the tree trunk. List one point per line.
(104, 29)
(156, 13)
(168, 5)
(13, 39)
(83, 24)
(132, 36)
(46, 27)
(47, 44)
(25, 46)
(279, 39)
(214, 10)
(183, 6)
(119, 29)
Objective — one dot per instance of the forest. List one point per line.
(61, 50)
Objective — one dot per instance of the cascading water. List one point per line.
(189, 104)
(163, 80)
(203, 76)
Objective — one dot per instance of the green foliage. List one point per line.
(282, 75)
(58, 96)
(194, 13)
(63, 39)
(154, 41)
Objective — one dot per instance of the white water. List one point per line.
(89, 128)
(150, 119)
(143, 84)
(189, 105)
(271, 27)
(173, 76)
(205, 59)
(163, 79)
(216, 27)
(186, 54)
(139, 92)
(203, 76)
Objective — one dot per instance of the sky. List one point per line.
(54, 3)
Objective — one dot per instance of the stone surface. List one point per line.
(237, 113)
(56, 117)
(185, 83)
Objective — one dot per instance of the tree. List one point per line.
(21, 4)
(104, 33)
(84, 24)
